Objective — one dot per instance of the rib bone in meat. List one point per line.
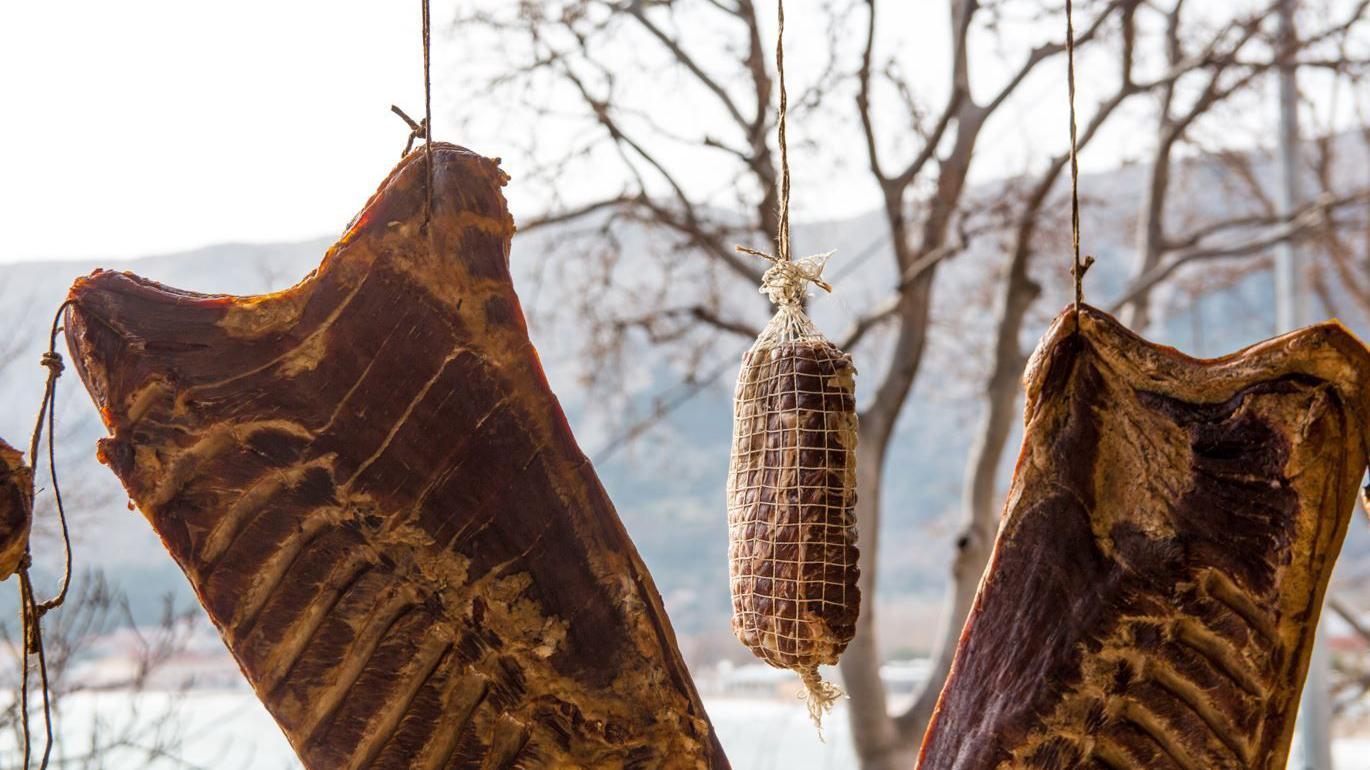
(379, 502)
(1171, 527)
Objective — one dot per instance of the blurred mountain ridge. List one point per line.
(669, 487)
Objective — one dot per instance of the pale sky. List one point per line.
(149, 126)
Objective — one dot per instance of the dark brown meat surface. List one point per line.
(1169, 534)
(16, 508)
(378, 500)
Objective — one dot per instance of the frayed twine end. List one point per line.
(820, 696)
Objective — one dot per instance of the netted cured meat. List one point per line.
(792, 493)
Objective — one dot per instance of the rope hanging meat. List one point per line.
(1077, 268)
(792, 476)
(32, 610)
(427, 109)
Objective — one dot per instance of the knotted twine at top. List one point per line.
(787, 282)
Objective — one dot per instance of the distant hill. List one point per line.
(669, 490)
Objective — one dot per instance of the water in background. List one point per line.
(228, 730)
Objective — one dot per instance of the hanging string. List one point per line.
(32, 615)
(423, 128)
(427, 111)
(52, 361)
(785, 279)
(783, 248)
(1077, 268)
(32, 610)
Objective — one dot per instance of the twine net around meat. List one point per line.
(791, 491)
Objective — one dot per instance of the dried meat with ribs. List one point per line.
(377, 498)
(1167, 541)
(16, 509)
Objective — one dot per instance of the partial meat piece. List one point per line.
(1168, 538)
(16, 508)
(377, 498)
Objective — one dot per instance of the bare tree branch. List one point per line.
(1299, 226)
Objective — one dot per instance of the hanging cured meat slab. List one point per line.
(16, 508)
(378, 500)
(1169, 534)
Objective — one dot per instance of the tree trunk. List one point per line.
(980, 498)
(1151, 221)
(1150, 232)
(879, 742)
(874, 736)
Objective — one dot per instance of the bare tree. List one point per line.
(923, 196)
(1345, 250)
(884, 740)
(1250, 49)
(148, 736)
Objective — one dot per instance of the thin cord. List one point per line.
(32, 615)
(1077, 268)
(26, 631)
(416, 129)
(785, 276)
(427, 110)
(52, 360)
(29, 623)
(783, 237)
(32, 610)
